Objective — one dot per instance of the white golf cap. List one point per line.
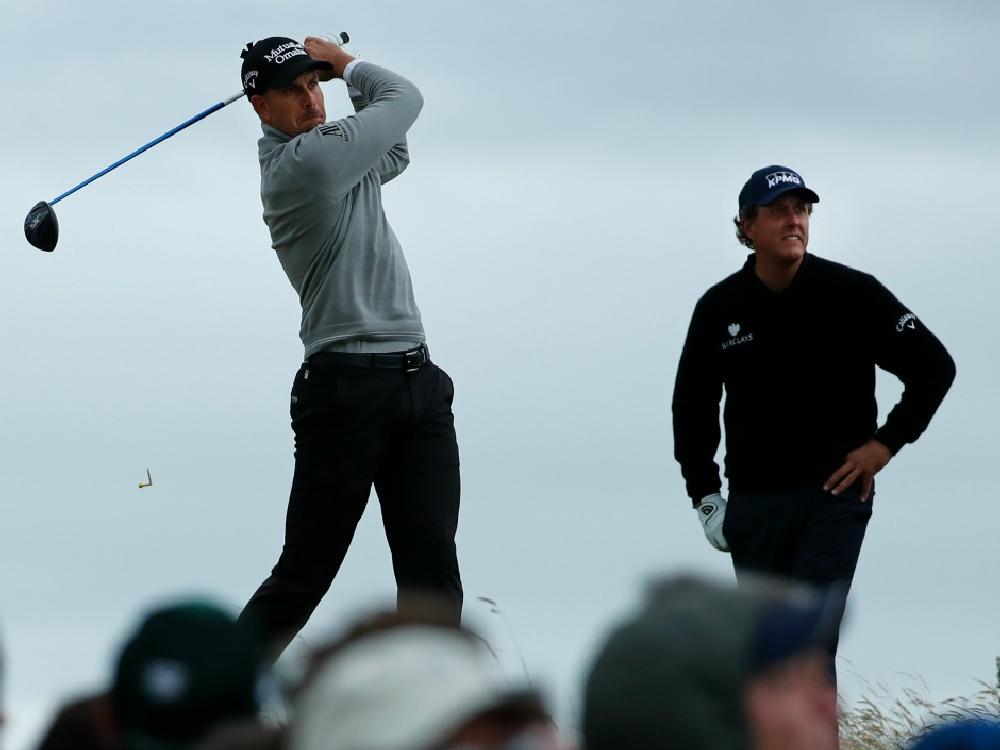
(403, 689)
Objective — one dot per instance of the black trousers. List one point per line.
(356, 426)
(806, 535)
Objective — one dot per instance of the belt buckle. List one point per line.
(414, 359)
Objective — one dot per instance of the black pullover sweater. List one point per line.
(798, 368)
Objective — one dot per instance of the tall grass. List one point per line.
(881, 720)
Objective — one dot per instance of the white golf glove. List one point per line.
(712, 513)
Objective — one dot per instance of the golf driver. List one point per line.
(41, 227)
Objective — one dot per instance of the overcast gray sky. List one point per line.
(573, 176)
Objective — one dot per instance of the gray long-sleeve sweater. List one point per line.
(322, 199)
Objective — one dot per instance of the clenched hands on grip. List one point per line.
(323, 49)
(861, 463)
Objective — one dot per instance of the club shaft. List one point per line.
(338, 39)
(200, 116)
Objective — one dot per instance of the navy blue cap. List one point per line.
(274, 63)
(975, 734)
(789, 627)
(767, 184)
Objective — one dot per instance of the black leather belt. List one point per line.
(409, 361)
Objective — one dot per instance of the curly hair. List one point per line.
(746, 214)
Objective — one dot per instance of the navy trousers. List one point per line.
(806, 535)
(357, 426)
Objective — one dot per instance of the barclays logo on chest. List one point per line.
(737, 336)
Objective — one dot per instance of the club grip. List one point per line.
(341, 40)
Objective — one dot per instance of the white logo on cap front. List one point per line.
(164, 681)
(283, 52)
(775, 177)
(734, 329)
(249, 80)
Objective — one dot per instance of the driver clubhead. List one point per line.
(41, 228)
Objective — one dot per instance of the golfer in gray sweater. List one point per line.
(368, 406)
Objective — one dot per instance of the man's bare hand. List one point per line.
(323, 49)
(861, 463)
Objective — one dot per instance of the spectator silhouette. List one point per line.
(708, 666)
(410, 681)
(189, 669)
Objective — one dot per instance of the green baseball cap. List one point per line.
(189, 667)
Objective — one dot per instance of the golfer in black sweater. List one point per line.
(794, 340)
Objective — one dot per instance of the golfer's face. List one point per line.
(297, 108)
(781, 230)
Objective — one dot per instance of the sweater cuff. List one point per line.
(889, 439)
(699, 493)
(349, 70)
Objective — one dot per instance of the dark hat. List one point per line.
(675, 674)
(969, 734)
(766, 185)
(189, 667)
(275, 62)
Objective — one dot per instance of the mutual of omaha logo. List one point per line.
(775, 178)
(284, 52)
(734, 336)
(906, 321)
(335, 130)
